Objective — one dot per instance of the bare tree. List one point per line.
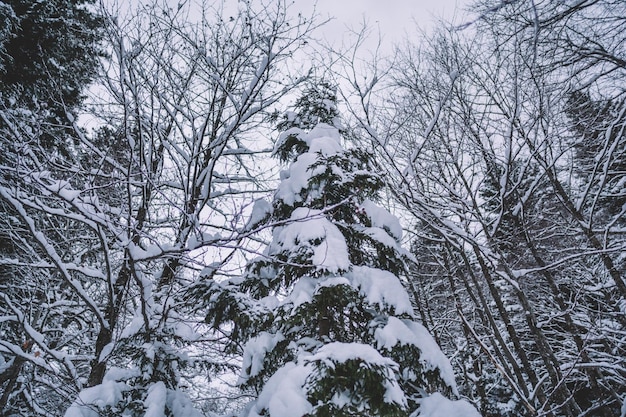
(511, 175)
(112, 237)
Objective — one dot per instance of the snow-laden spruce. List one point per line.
(326, 324)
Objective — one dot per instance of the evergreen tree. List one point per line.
(326, 324)
(48, 53)
(600, 153)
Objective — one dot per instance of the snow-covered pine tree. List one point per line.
(327, 326)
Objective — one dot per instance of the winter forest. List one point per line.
(207, 210)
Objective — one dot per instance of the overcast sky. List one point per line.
(393, 17)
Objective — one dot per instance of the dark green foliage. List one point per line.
(231, 308)
(318, 104)
(600, 149)
(155, 355)
(335, 313)
(49, 52)
(360, 382)
(292, 146)
(317, 298)
(160, 357)
(350, 173)
(412, 371)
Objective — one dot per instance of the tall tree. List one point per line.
(326, 325)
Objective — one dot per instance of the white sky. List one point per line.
(395, 18)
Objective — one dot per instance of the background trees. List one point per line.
(489, 145)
